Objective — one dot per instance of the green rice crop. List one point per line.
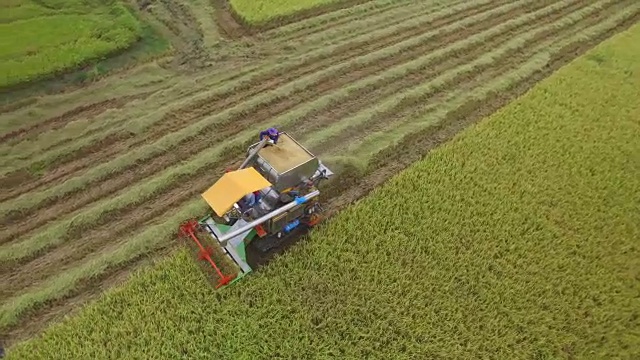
(371, 16)
(45, 37)
(260, 12)
(516, 240)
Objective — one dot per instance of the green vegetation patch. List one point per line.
(516, 240)
(49, 36)
(262, 11)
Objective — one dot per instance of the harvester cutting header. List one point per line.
(272, 193)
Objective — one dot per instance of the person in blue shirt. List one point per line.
(272, 133)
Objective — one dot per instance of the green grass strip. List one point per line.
(258, 12)
(368, 9)
(518, 240)
(358, 24)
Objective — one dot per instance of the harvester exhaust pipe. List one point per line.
(299, 200)
(188, 228)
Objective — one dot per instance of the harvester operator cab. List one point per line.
(274, 191)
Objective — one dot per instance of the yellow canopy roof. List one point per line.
(232, 187)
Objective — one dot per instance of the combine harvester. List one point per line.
(273, 192)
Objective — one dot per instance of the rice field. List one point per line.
(96, 180)
(43, 38)
(517, 239)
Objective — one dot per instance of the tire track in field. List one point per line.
(31, 143)
(412, 148)
(17, 179)
(233, 128)
(413, 106)
(189, 189)
(57, 122)
(266, 82)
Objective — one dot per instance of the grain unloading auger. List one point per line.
(274, 192)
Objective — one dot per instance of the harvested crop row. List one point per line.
(173, 139)
(380, 121)
(233, 92)
(168, 92)
(388, 135)
(134, 112)
(88, 160)
(427, 86)
(380, 11)
(228, 89)
(506, 263)
(357, 27)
